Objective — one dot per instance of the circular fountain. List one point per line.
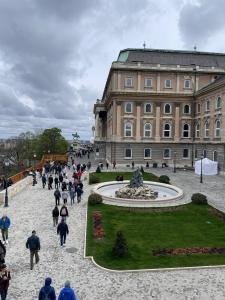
(139, 193)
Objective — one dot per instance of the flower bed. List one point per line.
(188, 251)
(98, 231)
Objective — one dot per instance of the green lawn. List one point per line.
(111, 176)
(189, 226)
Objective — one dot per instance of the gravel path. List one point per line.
(32, 208)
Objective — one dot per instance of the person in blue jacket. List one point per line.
(47, 291)
(4, 225)
(67, 293)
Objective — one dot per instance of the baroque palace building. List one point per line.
(163, 106)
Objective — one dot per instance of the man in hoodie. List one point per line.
(67, 293)
(47, 291)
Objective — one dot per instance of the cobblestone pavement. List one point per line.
(32, 208)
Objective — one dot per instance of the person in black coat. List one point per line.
(57, 195)
(50, 182)
(62, 230)
(60, 179)
(2, 253)
(56, 180)
(43, 179)
(55, 215)
(33, 243)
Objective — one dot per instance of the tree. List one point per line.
(120, 248)
(51, 141)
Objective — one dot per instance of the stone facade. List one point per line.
(168, 107)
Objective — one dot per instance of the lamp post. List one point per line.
(174, 162)
(6, 164)
(201, 169)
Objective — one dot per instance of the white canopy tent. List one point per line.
(209, 167)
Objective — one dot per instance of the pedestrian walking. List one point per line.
(4, 281)
(64, 212)
(114, 164)
(72, 194)
(107, 165)
(44, 180)
(4, 225)
(60, 179)
(132, 164)
(65, 197)
(89, 165)
(62, 230)
(55, 215)
(56, 181)
(57, 195)
(2, 253)
(47, 292)
(67, 293)
(33, 243)
(50, 182)
(79, 192)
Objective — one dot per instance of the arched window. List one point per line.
(128, 107)
(186, 130)
(167, 108)
(148, 108)
(217, 128)
(206, 129)
(186, 109)
(128, 129)
(218, 102)
(167, 130)
(197, 130)
(215, 156)
(147, 130)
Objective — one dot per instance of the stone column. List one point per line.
(178, 83)
(157, 123)
(119, 81)
(177, 123)
(138, 121)
(139, 82)
(97, 124)
(118, 116)
(158, 83)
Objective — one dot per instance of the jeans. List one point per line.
(3, 295)
(62, 239)
(72, 200)
(32, 254)
(5, 234)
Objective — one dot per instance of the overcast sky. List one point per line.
(55, 55)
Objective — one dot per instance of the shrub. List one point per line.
(93, 178)
(120, 248)
(94, 199)
(98, 170)
(199, 198)
(164, 179)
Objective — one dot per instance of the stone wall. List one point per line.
(16, 188)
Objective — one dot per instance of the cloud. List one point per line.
(200, 20)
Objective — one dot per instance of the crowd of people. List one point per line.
(65, 181)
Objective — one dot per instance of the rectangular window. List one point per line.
(128, 153)
(207, 105)
(148, 82)
(168, 84)
(185, 153)
(128, 82)
(147, 153)
(187, 84)
(198, 107)
(167, 153)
